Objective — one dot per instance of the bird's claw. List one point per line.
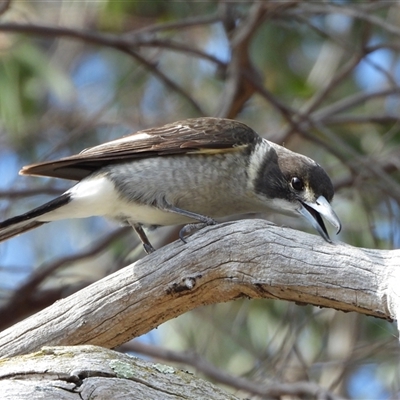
(189, 229)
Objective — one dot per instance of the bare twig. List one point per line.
(361, 119)
(344, 72)
(351, 101)
(165, 79)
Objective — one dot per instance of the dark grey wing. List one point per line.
(190, 136)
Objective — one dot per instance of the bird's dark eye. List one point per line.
(297, 184)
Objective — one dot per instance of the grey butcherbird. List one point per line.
(187, 172)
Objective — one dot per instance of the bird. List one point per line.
(189, 172)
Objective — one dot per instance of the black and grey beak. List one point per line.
(313, 212)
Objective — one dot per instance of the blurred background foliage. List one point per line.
(320, 77)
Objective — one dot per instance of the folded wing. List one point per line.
(191, 136)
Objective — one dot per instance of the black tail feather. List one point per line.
(25, 222)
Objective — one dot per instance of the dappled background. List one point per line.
(322, 78)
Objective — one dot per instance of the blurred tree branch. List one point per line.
(216, 375)
(4, 6)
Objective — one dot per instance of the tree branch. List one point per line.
(88, 372)
(249, 258)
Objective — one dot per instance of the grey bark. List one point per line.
(250, 258)
(90, 372)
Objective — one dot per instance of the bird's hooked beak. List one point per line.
(313, 211)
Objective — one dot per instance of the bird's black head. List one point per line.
(294, 183)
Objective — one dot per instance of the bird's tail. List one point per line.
(25, 222)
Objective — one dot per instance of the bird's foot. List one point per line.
(189, 229)
(148, 248)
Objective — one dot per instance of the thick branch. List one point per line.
(250, 258)
(88, 372)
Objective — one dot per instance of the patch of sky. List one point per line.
(335, 24)
(16, 257)
(95, 82)
(370, 73)
(344, 2)
(50, 241)
(150, 338)
(218, 47)
(9, 168)
(107, 133)
(10, 251)
(151, 102)
(365, 384)
(311, 50)
(338, 23)
(388, 229)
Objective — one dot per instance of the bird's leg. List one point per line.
(189, 228)
(148, 248)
